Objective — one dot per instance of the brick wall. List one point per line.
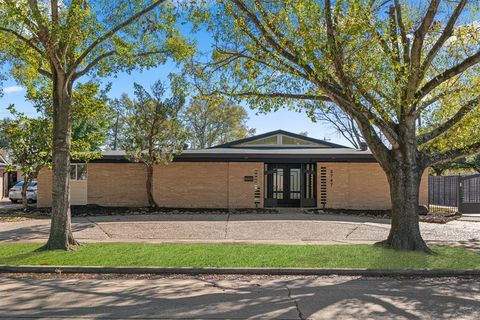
(179, 184)
(360, 186)
(117, 184)
(206, 184)
(44, 188)
(241, 192)
(222, 185)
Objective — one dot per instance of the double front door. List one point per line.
(290, 185)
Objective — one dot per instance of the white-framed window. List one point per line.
(78, 171)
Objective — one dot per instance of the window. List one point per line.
(269, 140)
(294, 141)
(78, 171)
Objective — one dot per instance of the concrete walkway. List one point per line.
(293, 228)
(239, 298)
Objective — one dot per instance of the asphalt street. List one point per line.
(238, 297)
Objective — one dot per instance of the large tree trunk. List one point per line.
(404, 180)
(151, 200)
(61, 236)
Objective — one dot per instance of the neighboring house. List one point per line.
(7, 179)
(275, 169)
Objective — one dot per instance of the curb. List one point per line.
(243, 271)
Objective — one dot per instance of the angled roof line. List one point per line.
(3, 160)
(283, 132)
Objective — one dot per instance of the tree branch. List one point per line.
(92, 64)
(447, 75)
(113, 31)
(461, 113)
(276, 95)
(268, 37)
(447, 32)
(454, 154)
(45, 73)
(105, 55)
(403, 33)
(416, 51)
(22, 38)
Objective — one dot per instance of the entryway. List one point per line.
(290, 185)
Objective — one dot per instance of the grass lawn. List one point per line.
(240, 255)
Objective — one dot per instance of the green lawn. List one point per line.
(240, 255)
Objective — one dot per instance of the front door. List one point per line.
(289, 185)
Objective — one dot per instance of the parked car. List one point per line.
(15, 193)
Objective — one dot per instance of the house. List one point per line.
(7, 179)
(275, 169)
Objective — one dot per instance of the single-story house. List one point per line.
(7, 179)
(275, 169)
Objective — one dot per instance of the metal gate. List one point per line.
(454, 193)
(469, 190)
(443, 193)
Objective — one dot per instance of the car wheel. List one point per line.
(14, 201)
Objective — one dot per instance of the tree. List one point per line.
(462, 165)
(214, 120)
(384, 70)
(91, 113)
(343, 124)
(116, 131)
(153, 133)
(30, 146)
(62, 41)
(3, 139)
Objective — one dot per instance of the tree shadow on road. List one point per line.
(299, 298)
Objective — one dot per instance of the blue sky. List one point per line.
(123, 83)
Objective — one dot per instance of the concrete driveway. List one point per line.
(239, 298)
(292, 228)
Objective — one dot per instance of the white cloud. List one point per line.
(12, 89)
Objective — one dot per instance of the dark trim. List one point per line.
(280, 158)
(283, 132)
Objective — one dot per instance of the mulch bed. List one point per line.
(93, 210)
(440, 217)
(430, 217)
(384, 214)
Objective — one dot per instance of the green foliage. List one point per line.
(153, 132)
(214, 120)
(29, 141)
(116, 131)
(372, 59)
(3, 139)
(91, 113)
(76, 33)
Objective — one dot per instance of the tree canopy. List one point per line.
(385, 64)
(214, 120)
